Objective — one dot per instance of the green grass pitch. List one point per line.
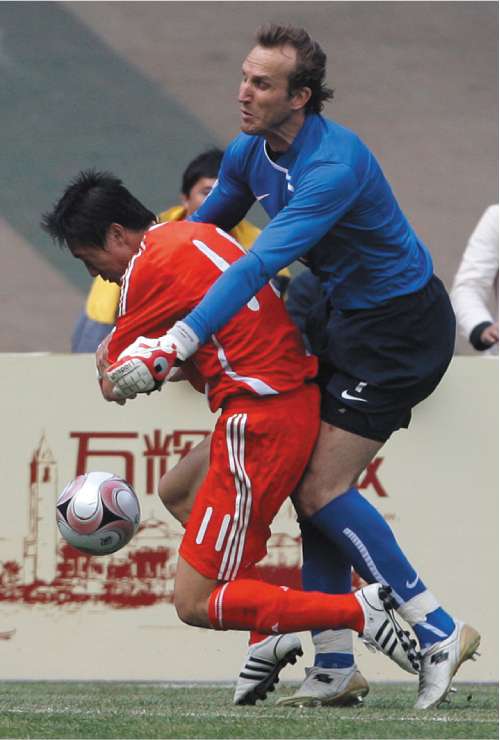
(153, 710)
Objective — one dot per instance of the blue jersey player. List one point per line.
(384, 334)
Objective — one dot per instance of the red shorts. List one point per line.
(259, 451)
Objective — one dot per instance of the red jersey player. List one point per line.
(255, 370)
(258, 373)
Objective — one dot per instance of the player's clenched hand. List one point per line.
(142, 367)
(101, 355)
(145, 364)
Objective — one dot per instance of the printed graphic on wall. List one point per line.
(142, 573)
(56, 601)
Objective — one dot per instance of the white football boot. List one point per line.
(328, 687)
(441, 661)
(382, 631)
(262, 665)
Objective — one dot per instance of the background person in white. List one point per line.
(475, 287)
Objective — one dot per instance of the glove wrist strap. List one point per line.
(184, 338)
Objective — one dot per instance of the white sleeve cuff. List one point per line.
(184, 338)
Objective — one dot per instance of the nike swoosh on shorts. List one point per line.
(348, 397)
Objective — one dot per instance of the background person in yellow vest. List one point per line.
(197, 181)
(98, 317)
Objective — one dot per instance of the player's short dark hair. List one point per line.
(206, 164)
(310, 70)
(89, 205)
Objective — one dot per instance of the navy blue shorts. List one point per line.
(376, 364)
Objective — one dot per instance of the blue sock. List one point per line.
(365, 538)
(435, 626)
(326, 569)
(333, 660)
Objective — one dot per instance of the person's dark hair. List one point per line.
(89, 205)
(206, 164)
(310, 70)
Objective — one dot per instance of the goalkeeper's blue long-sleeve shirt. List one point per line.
(330, 205)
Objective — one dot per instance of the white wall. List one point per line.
(440, 477)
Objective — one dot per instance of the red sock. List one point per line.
(248, 604)
(256, 575)
(256, 637)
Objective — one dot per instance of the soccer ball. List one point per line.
(98, 513)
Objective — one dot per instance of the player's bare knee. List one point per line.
(188, 610)
(191, 604)
(185, 612)
(313, 493)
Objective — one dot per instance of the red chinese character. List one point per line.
(156, 448)
(370, 478)
(84, 453)
(181, 447)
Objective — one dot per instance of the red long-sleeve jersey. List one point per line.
(260, 351)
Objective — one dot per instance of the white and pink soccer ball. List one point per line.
(98, 513)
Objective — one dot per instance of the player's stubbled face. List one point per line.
(265, 104)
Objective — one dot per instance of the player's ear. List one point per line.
(116, 235)
(301, 97)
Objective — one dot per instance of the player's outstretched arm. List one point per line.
(322, 198)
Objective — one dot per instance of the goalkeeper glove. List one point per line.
(145, 364)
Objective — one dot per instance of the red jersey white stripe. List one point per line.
(260, 351)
